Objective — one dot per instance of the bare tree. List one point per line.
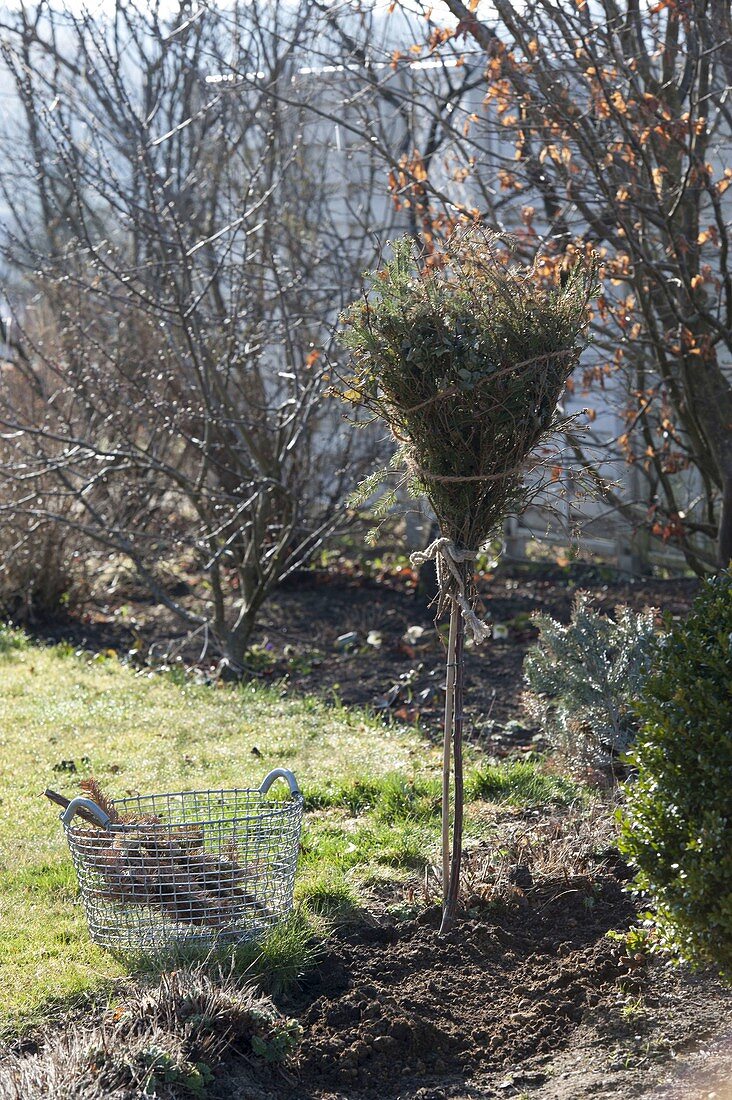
(177, 252)
(605, 125)
(608, 124)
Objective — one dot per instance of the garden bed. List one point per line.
(533, 1002)
(298, 639)
(536, 993)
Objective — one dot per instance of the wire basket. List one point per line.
(192, 868)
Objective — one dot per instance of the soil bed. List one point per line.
(491, 993)
(535, 1001)
(531, 1001)
(297, 642)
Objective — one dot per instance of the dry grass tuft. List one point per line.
(532, 860)
(166, 1040)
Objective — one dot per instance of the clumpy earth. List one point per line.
(535, 1001)
(485, 997)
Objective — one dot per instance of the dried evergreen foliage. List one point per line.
(93, 789)
(465, 357)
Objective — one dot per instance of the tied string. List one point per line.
(447, 557)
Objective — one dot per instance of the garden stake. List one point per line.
(457, 826)
(450, 676)
(453, 746)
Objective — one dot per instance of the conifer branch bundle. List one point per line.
(465, 358)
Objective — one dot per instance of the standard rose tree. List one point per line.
(465, 356)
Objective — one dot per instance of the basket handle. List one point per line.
(82, 803)
(280, 773)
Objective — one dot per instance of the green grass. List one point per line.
(519, 784)
(135, 733)
(274, 962)
(372, 794)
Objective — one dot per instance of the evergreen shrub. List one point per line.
(677, 827)
(583, 679)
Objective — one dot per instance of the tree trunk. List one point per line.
(235, 647)
(450, 670)
(452, 893)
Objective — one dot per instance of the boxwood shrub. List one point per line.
(677, 825)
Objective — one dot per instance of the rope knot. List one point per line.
(447, 556)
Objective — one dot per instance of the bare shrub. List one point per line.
(177, 259)
(41, 572)
(43, 565)
(606, 123)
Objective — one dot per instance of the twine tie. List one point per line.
(447, 556)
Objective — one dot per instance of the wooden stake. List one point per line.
(451, 885)
(447, 745)
(453, 893)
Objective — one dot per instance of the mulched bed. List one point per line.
(297, 643)
(404, 681)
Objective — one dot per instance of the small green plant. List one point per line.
(11, 639)
(278, 1045)
(154, 1067)
(583, 678)
(329, 895)
(677, 826)
(634, 1009)
(640, 939)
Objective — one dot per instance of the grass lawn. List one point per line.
(372, 794)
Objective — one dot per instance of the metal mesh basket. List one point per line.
(197, 867)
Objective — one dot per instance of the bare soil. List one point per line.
(297, 642)
(531, 1001)
(534, 1001)
(404, 680)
